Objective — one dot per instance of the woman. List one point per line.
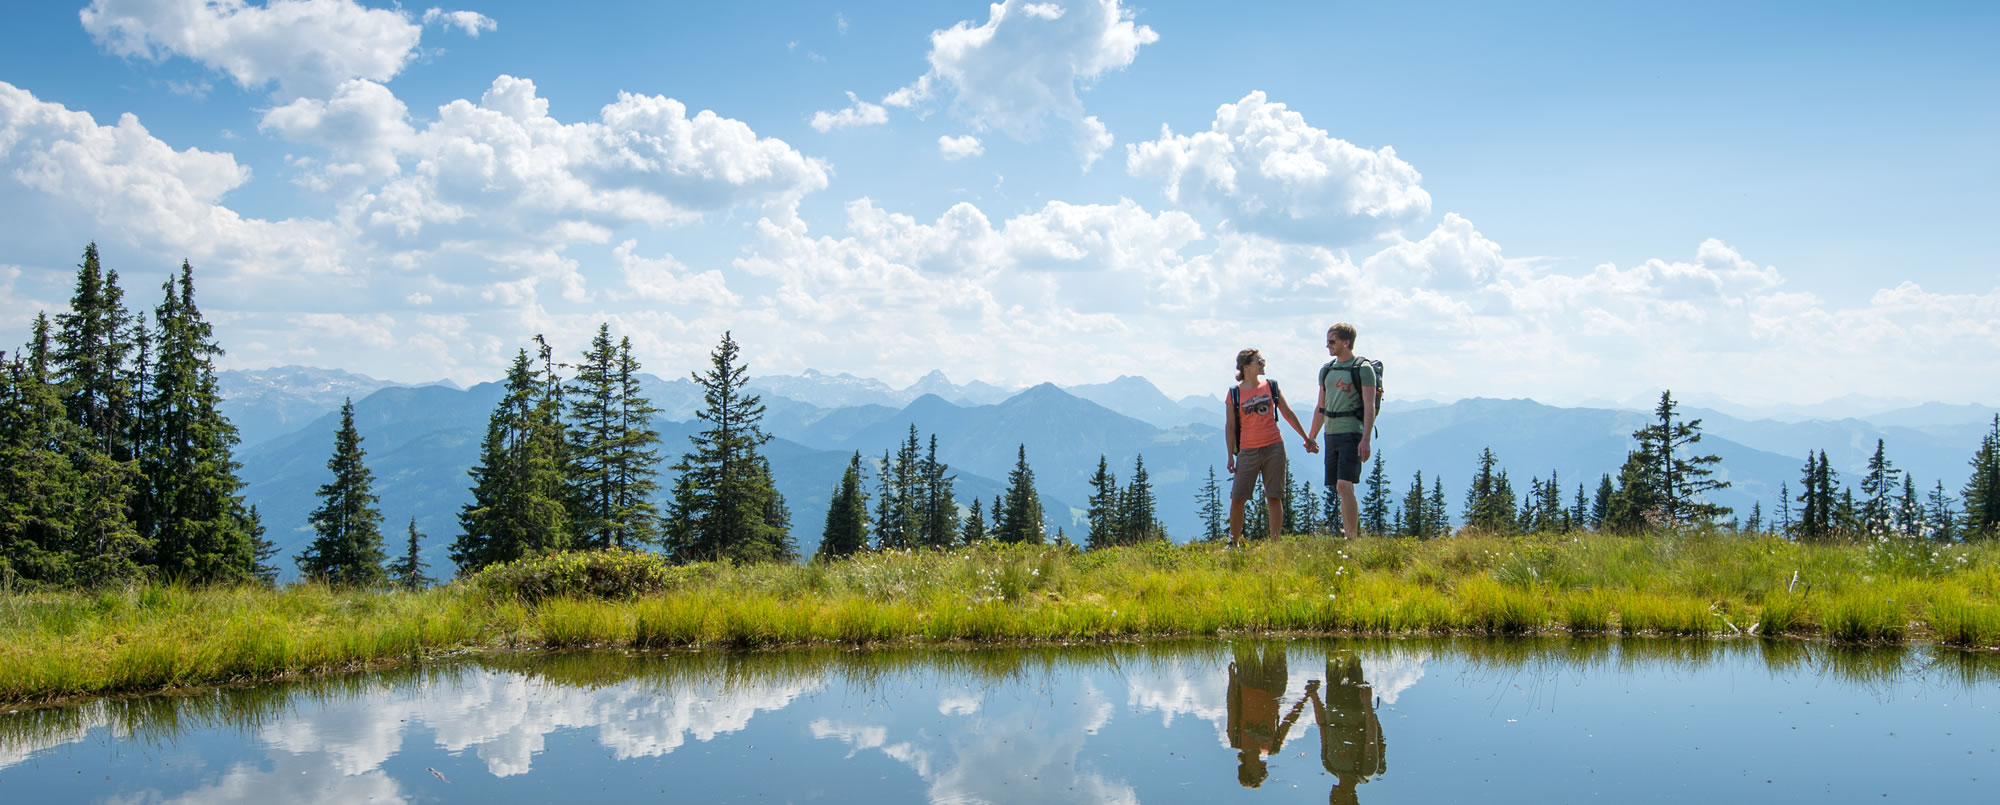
(1255, 448)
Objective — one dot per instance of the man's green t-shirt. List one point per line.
(1341, 395)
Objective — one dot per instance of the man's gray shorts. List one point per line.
(1343, 458)
(1267, 462)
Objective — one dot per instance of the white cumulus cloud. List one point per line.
(960, 147)
(472, 23)
(858, 113)
(306, 46)
(1275, 174)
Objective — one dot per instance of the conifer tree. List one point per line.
(1257, 514)
(1909, 510)
(1208, 503)
(262, 568)
(1678, 486)
(1416, 521)
(613, 457)
(194, 515)
(347, 543)
(1375, 505)
(518, 494)
(39, 486)
(1440, 515)
(1600, 503)
(1334, 524)
(1102, 514)
(1784, 519)
(891, 529)
(846, 530)
(85, 366)
(1847, 516)
(1755, 524)
(1981, 493)
(1878, 488)
(1579, 512)
(1489, 501)
(1138, 513)
(940, 508)
(1310, 520)
(408, 572)
(1290, 503)
(732, 503)
(92, 344)
(1549, 507)
(1021, 518)
(1941, 521)
(1634, 499)
(974, 531)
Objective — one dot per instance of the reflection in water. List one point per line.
(997, 725)
(1350, 733)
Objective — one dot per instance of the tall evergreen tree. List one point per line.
(1310, 519)
(518, 492)
(1784, 518)
(1909, 510)
(39, 486)
(92, 345)
(1375, 504)
(262, 567)
(1021, 518)
(1878, 489)
(1257, 514)
(1981, 493)
(974, 530)
(940, 510)
(846, 531)
(1138, 513)
(613, 457)
(347, 534)
(732, 502)
(198, 521)
(891, 527)
(1636, 497)
(1812, 514)
(778, 545)
(1679, 486)
(1208, 503)
(1600, 503)
(1334, 524)
(1847, 515)
(1102, 514)
(1440, 514)
(1941, 521)
(1415, 521)
(1489, 501)
(1289, 502)
(1551, 516)
(1755, 524)
(408, 572)
(1579, 512)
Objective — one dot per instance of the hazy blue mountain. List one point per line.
(264, 403)
(1934, 415)
(1139, 399)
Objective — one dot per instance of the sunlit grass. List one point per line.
(56, 644)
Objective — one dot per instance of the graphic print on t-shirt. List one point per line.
(1257, 412)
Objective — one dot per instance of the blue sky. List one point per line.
(1563, 201)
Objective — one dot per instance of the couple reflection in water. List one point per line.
(1350, 734)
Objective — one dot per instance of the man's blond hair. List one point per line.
(1342, 331)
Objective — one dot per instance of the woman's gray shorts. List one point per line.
(1267, 462)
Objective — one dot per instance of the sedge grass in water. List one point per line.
(57, 644)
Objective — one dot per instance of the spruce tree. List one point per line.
(1208, 503)
(890, 526)
(92, 344)
(1677, 487)
(1334, 524)
(408, 572)
(1784, 519)
(1102, 516)
(732, 503)
(846, 530)
(1600, 503)
(1981, 493)
(1290, 503)
(1941, 521)
(1878, 488)
(1257, 513)
(1375, 505)
(1415, 521)
(1755, 523)
(1489, 501)
(1021, 519)
(613, 457)
(940, 508)
(519, 497)
(262, 568)
(198, 522)
(1579, 512)
(39, 486)
(1138, 513)
(347, 536)
(1846, 515)
(1310, 520)
(1440, 515)
(974, 531)
(1909, 510)
(1630, 506)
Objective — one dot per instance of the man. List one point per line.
(1347, 409)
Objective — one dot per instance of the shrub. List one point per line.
(594, 574)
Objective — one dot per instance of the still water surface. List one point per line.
(1549, 720)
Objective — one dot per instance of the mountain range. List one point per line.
(421, 441)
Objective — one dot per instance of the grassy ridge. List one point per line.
(66, 643)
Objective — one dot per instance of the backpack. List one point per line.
(1236, 407)
(1353, 371)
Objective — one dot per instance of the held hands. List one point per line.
(1312, 446)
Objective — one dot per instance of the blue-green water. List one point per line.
(1548, 720)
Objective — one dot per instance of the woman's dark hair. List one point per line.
(1243, 359)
